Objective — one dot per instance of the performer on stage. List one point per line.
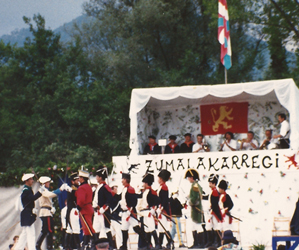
(186, 147)
(172, 146)
(284, 133)
(200, 146)
(129, 216)
(195, 202)
(46, 212)
(101, 203)
(152, 147)
(269, 142)
(215, 216)
(72, 213)
(229, 143)
(84, 201)
(28, 213)
(163, 210)
(249, 143)
(226, 204)
(149, 204)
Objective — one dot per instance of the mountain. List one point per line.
(19, 36)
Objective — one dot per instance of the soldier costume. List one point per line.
(28, 213)
(128, 204)
(84, 201)
(152, 148)
(101, 204)
(72, 214)
(186, 147)
(46, 213)
(195, 202)
(172, 147)
(215, 216)
(149, 204)
(163, 210)
(226, 204)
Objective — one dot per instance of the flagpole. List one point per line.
(225, 75)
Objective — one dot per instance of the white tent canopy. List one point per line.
(285, 91)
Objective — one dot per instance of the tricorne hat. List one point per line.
(192, 173)
(44, 179)
(26, 177)
(164, 174)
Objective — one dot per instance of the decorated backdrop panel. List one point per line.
(163, 122)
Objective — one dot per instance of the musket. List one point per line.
(166, 232)
(169, 217)
(133, 215)
(236, 218)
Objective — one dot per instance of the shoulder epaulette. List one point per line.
(74, 188)
(108, 188)
(195, 187)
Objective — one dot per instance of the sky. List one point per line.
(55, 12)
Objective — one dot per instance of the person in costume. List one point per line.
(72, 213)
(215, 216)
(101, 204)
(226, 204)
(152, 147)
(172, 146)
(176, 212)
(163, 210)
(46, 212)
(84, 205)
(200, 146)
(128, 204)
(149, 203)
(186, 146)
(195, 202)
(28, 213)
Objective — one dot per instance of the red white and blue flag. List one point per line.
(223, 34)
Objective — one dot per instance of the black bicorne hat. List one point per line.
(192, 173)
(164, 175)
(74, 176)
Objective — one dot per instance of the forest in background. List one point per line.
(67, 104)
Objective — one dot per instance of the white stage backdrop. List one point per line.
(263, 184)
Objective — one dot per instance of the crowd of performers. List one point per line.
(152, 214)
(270, 141)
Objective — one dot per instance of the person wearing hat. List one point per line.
(72, 214)
(229, 241)
(28, 213)
(152, 147)
(200, 146)
(101, 203)
(163, 210)
(172, 146)
(128, 204)
(226, 204)
(84, 205)
(46, 212)
(186, 146)
(195, 202)
(215, 216)
(149, 204)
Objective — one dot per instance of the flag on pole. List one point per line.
(223, 34)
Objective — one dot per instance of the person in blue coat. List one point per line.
(28, 213)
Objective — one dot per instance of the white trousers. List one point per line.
(127, 221)
(27, 236)
(212, 223)
(165, 223)
(99, 225)
(74, 220)
(149, 221)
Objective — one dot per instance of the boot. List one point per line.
(50, 241)
(76, 238)
(40, 240)
(170, 243)
(195, 241)
(125, 234)
(86, 240)
(217, 242)
(161, 236)
(155, 236)
(209, 239)
(67, 241)
(201, 240)
(109, 237)
(141, 233)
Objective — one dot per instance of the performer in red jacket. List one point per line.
(84, 201)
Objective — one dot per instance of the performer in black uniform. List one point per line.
(186, 147)
(226, 204)
(102, 202)
(152, 147)
(72, 214)
(172, 146)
